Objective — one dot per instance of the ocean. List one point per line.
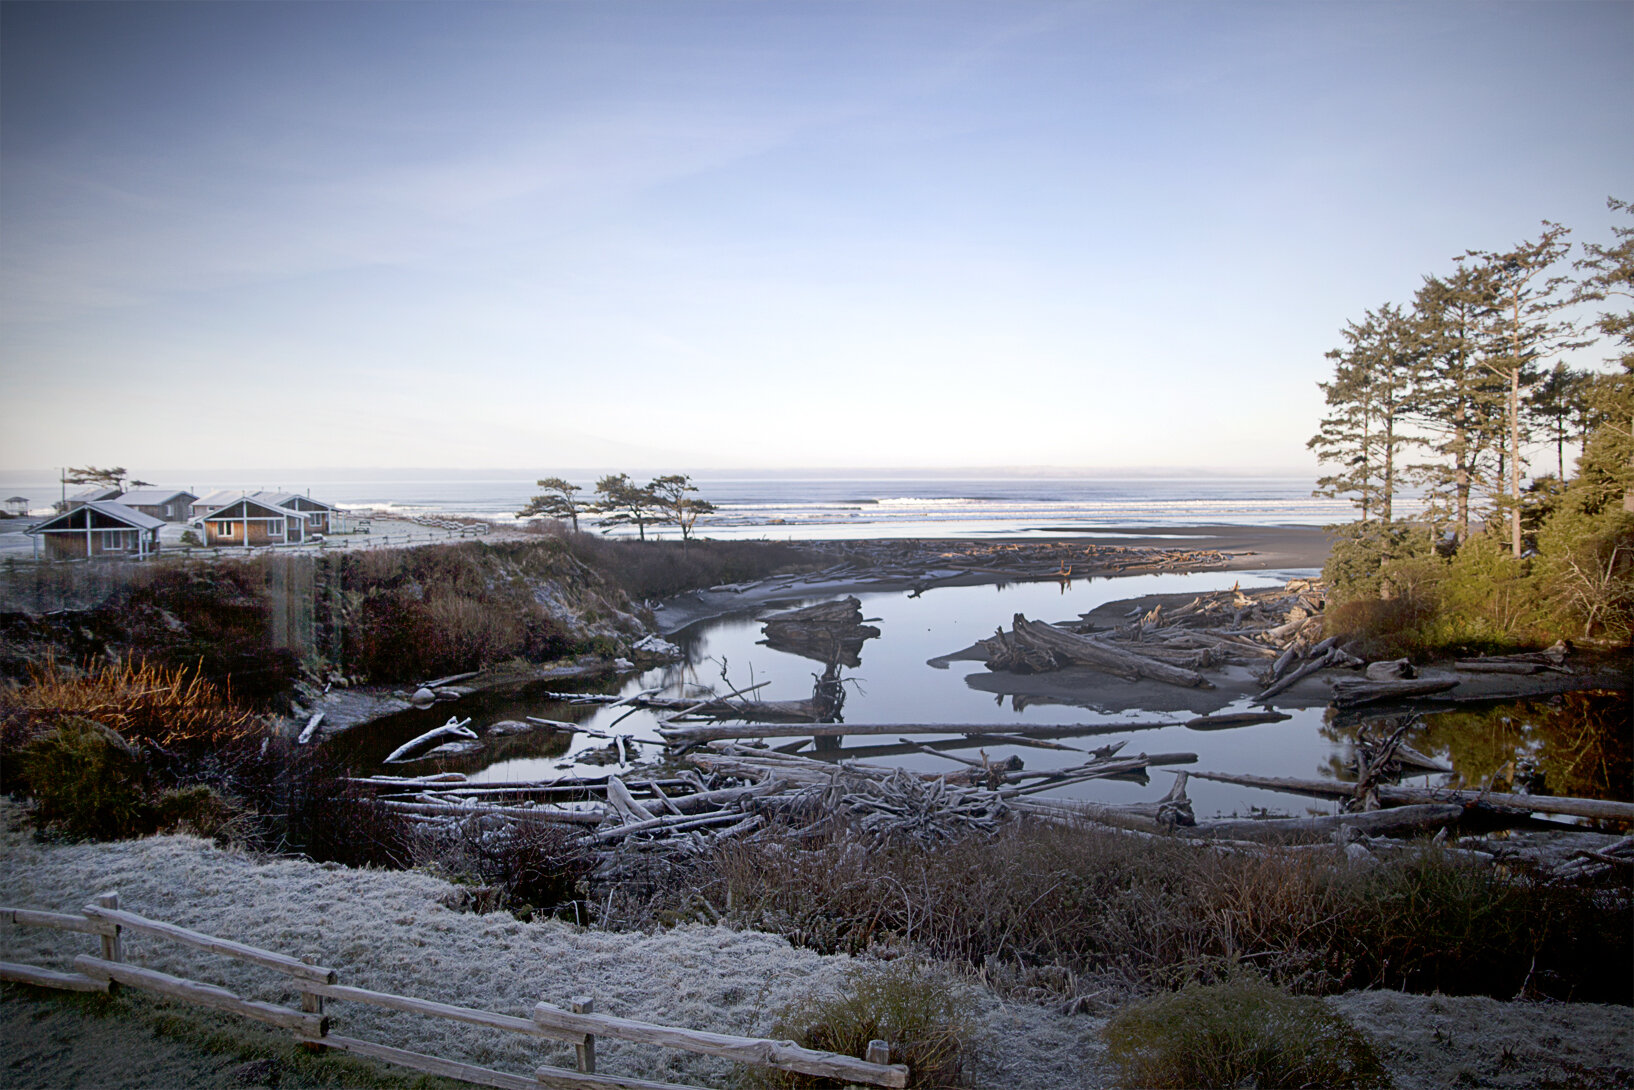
(795, 507)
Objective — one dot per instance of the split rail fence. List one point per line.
(577, 1024)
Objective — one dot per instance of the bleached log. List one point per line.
(560, 817)
(783, 1055)
(1395, 794)
(310, 729)
(454, 728)
(1322, 662)
(1403, 819)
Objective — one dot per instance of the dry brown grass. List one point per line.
(146, 704)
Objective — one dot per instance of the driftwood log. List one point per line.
(1397, 795)
(1032, 647)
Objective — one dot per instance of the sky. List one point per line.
(690, 236)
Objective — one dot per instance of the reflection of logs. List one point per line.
(830, 632)
(1035, 647)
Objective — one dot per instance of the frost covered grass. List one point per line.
(390, 931)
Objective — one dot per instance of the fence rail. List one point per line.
(580, 1025)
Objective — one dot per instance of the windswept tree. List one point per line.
(111, 477)
(674, 495)
(1526, 301)
(558, 500)
(620, 502)
(1373, 376)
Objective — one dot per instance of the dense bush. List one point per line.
(921, 1013)
(1243, 1032)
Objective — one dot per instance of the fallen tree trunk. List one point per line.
(1396, 795)
(1350, 694)
(1403, 819)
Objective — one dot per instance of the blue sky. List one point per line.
(693, 236)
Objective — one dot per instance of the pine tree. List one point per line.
(1527, 330)
(1458, 404)
(1372, 383)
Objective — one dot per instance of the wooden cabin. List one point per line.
(98, 493)
(317, 513)
(98, 528)
(215, 501)
(249, 521)
(166, 504)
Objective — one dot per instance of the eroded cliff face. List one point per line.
(382, 616)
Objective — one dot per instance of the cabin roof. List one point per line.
(153, 497)
(95, 492)
(136, 520)
(289, 499)
(266, 510)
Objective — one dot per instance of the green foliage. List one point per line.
(87, 782)
(1240, 1033)
(1586, 571)
(922, 1013)
(1362, 552)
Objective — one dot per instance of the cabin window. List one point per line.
(275, 528)
(112, 540)
(224, 529)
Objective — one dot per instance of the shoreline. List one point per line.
(1242, 548)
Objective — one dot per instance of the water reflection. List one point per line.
(1572, 744)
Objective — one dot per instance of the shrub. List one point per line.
(1037, 908)
(87, 782)
(1240, 1033)
(923, 1014)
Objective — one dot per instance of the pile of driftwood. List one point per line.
(1276, 633)
(738, 790)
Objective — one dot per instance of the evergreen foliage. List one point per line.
(1461, 377)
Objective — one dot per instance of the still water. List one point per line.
(1571, 745)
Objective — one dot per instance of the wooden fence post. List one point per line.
(312, 1004)
(584, 1004)
(113, 947)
